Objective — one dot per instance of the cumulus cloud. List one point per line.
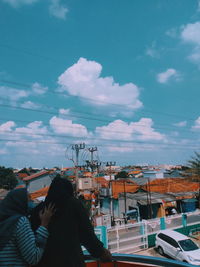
(17, 3)
(120, 130)
(58, 10)
(83, 79)
(32, 128)
(62, 126)
(196, 125)
(167, 75)
(191, 34)
(7, 126)
(181, 124)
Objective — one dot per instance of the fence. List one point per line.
(131, 238)
(128, 238)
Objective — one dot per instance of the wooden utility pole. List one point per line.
(77, 148)
(110, 164)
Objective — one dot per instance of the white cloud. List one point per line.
(32, 128)
(7, 126)
(17, 3)
(180, 124)
(62, 126)
(191, 34)
(12, 94)
(134, 131)
(167, 75)
(57, 10)
(83, 79)
(30, 104)
(39, 89)
(63, 111)
(196, 124)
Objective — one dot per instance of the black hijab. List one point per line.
(12, 207)
(59, 191)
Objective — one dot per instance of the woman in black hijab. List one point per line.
(69, 228)
(18, 245)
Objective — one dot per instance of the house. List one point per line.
(153, 174)
(38, 180)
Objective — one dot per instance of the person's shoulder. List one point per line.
(22, 221)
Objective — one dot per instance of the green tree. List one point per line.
(8, 179)
(121, 174)
(194, 165)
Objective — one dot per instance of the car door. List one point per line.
(169, 247)
(175, 250)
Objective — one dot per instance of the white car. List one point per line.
(178, 246)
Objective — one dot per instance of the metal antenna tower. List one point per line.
(92, 150)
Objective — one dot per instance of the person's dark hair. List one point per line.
(59, 191)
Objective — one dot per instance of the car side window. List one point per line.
(174, 243)
(162, 236)
(168, 239)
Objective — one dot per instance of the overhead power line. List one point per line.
(102, 102)
(143, 145)
(83, 117)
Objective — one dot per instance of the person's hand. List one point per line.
(106, 256)
(46, 214)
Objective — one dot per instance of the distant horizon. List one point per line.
(45, 167)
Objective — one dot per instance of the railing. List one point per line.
(125, 260)
(131, 238)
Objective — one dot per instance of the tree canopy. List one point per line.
(194, 165)
(8, 179)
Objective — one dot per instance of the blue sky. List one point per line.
(122, 76)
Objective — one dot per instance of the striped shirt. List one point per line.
(24, 248)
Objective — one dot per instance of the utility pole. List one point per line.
(110, 164)
(77, 148)
(125, 210)
(92, 150)
(150, 204)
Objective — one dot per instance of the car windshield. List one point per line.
(188, 245)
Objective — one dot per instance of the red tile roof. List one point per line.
(40, 193)
(22, 175)
(36, 175)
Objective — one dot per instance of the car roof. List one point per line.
(174, 234)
